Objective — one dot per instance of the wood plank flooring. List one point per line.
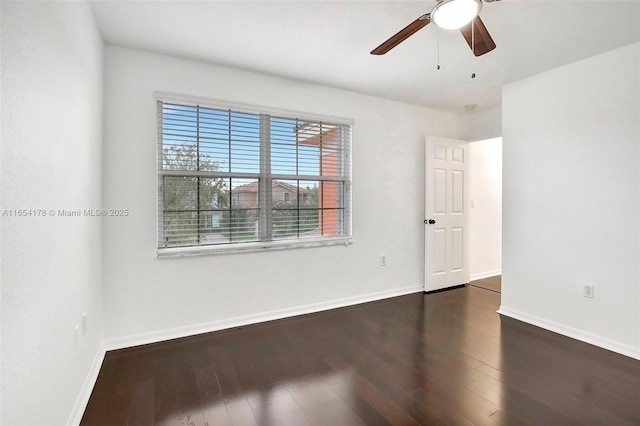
(437, 359)
(490, 283)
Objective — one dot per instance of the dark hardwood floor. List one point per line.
(437, 359)
(490, 283)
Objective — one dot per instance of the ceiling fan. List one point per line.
(450, 15)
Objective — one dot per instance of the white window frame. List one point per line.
(196, 250)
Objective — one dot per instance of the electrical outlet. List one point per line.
(588, 291)
(383, 260)
(76, 335)
(84, 324)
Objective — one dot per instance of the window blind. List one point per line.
(228, 177)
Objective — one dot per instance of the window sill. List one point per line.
(164, 253)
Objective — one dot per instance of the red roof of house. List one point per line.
(250, 187)
(253, 187)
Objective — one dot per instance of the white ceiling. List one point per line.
(328, 42)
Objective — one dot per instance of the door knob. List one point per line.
(430, 221)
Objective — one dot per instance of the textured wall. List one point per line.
(51, 160)
(572, 199)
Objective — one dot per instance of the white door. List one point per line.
(446, 233)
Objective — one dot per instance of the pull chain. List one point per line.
(473, 42)
(438, 47)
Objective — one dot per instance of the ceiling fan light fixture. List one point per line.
(455, 14)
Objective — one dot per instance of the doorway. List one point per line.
(485, 213)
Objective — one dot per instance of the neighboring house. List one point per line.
(246, 196)
(282, 192)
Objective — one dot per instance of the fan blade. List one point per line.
(402, 35)
(480, 42)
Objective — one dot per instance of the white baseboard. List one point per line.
(190, 330)
(487, 274)
(574, 333)
(87, 387)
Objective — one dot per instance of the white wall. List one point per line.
(485, 212)
(148, 299)
(51, 159)
(485, 123)
(572, 199)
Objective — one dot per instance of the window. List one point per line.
(245, 180)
